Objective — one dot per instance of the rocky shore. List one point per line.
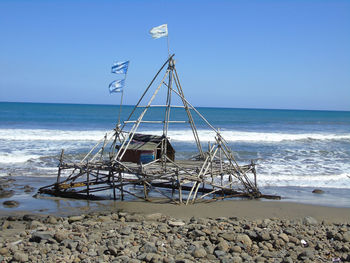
(127, 237)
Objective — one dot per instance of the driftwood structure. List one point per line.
(127, 163)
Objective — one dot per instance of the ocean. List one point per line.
(296, 150)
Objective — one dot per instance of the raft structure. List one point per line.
(130, 165)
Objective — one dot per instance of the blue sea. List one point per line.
(294, 149)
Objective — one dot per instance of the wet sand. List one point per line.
(249, 209)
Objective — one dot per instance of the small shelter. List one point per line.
(145, 148)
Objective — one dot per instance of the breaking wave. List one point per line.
(178, 135)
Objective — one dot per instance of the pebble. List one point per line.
(176, 223)
(75, 219)
(318, 191)
(199, 253)
(124, 237)
(21, 257)
(10, 203)
(6, 193)
(308, 220)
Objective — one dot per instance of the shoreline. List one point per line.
(123, 236)
(244, 209)
(295, 204)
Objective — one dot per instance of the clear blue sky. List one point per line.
(250, 54)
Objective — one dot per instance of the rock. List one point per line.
(264, 236)
(12, 218)
(176, 223)
(149, 247)
(228, 236)
(52, 220)
(75, 219)
(198, 233)
(307, 254)
(122, 259)
(20, 257)
(38, 236)
(135, 218)
(71, 244)
(284, 237)
(308, 220)
(149, 257)
(287, 260)
(236, 259)
(6, 225)
(112, 250)
(153, 217)
(125, 231)
(346, 236)
(219, 253)
(60, 236)
(4, 251)
(35, 224)
(318, 191)
(236, 249)
(104, 219)
(10, 203)
(199, 253)
(290, 231)
(163, 229)
(6, 193)
(223, 246)
(29, 217)
(245, 239)
(28, 189)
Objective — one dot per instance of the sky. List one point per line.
(236, 54)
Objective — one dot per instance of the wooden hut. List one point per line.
(145, 148)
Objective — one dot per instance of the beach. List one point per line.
(227, 231)
(52, 229)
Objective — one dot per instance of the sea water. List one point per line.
(294, 149)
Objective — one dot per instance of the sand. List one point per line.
(249, 209)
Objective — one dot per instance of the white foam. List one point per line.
(17, 157)
(176, 135)
(240, 136)
(50, 135)
(318, 181)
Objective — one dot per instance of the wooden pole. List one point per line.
(114, 194)
(59, 167)
(189, 115)
(121, 188)
(88, 180)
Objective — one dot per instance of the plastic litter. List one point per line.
(304, 243)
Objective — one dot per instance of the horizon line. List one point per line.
(241, 108)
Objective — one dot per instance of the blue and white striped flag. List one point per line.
(116, 86)
(120, 67)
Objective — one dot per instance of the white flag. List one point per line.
(159, 31)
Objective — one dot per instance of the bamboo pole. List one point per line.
(189, 115)
(88, 181)
(59, 167)
(114, 194)
(121, 188)
(148, 87)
